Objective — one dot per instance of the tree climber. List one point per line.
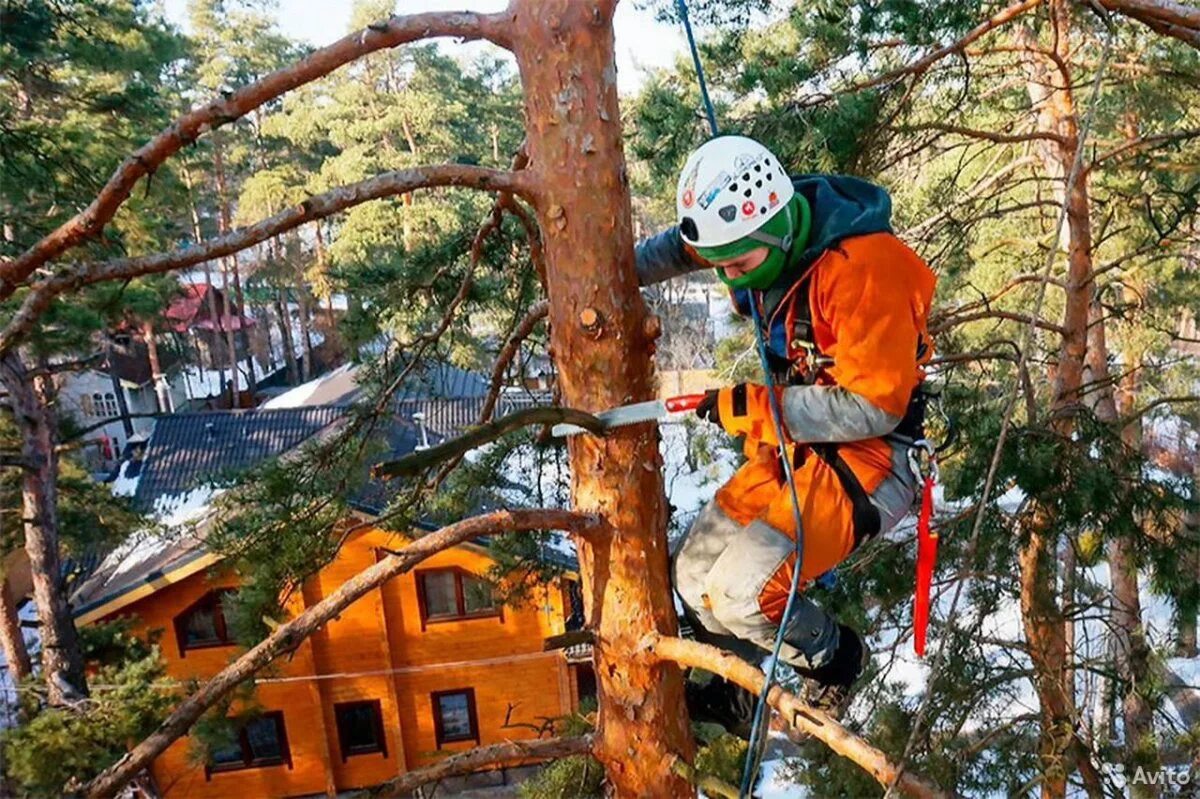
(844, 304)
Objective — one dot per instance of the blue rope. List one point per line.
(757, 740)
(708, 106)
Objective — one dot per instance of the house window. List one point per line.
(360, 728)
(262, 741)
(103, 406)
(203, 624)
(454, 716)
(445, 594)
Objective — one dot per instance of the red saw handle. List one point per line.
(686, 402)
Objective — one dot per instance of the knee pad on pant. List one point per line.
(696, 553)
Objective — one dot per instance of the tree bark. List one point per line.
(564, 51)
(62, 661)
(16, 654)
(286, 637)
(304, 315)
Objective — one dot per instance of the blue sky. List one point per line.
(642, 42)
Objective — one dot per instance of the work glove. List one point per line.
(742, 410)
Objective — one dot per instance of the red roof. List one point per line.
(190, 310)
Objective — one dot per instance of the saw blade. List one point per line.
(619, 417)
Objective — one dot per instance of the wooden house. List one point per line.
(427, 665)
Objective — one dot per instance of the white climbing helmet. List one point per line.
(728, 188)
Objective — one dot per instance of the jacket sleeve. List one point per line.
(868, 305)
(662, 257)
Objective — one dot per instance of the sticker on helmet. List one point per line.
(748, 208)
(773, 199)
(728, 212)
(745, 161)
(713, 189)
(689, 185)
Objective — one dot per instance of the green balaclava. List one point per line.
(794, 220)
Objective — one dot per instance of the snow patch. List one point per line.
(125, 486)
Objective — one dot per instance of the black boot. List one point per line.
(721, 702)
(828, 688)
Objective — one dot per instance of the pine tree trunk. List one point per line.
(16, 654)
(1050, 92)
(306, 358)
(1131, 649)
(162, 391)
(331, 331)
(285, 330)
(62, 661)
(601, 343)
(228, 275)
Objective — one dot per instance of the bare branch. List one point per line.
(1134, 146)
(415, 462)
(921, 65)
(796, 714)
(484, 758)
(987, 135)
(1169, 18)
(220, 111)
(522, 331)
(954, 321)
(289, 636)
(322, 205)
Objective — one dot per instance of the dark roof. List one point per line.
(190, 449)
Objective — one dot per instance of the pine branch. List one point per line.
(290, 635)
(478, 436)
(483, 758)
(320, 206)
(90, 222)
(796, 714)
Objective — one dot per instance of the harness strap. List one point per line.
(867, 521)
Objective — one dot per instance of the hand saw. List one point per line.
(637, 412)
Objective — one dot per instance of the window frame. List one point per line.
(248, 761)
(181, 619)
(380, 734)
(420, 575)
(438, 723)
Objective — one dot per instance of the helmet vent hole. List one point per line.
(758, 184)
(687, 226)
(733, 187)
(747, 192)
(762, 209)
(746, 176)
(768, 176)
(758, 167)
